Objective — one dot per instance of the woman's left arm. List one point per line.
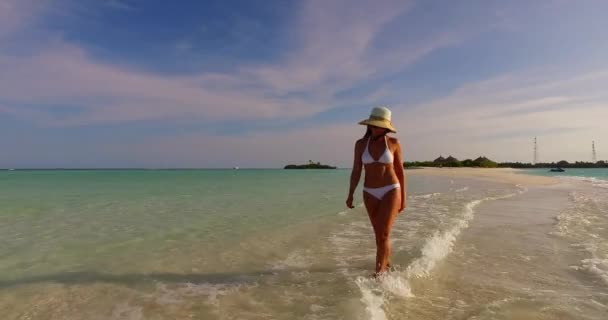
(398, 164)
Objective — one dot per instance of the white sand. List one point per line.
(497, 174)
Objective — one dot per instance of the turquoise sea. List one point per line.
(597, 173)
(280, 244)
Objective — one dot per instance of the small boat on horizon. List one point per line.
(557, 170)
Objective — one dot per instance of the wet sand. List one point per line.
(504, 175)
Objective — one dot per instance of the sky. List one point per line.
(260, 84)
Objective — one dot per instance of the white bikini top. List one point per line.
(386, 157)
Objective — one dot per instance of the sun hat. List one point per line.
(380, 117)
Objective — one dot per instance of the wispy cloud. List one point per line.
(120, 5)
(331, 47)
(16, 15)
(335, 48)
(331, 53)
(64, 74)
(333, 144)
(184, 45)
(526, 134)
(505, 111)
(534, 106)
(457, 125)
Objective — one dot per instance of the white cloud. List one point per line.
(120, 5)
(16, 15)
(64, 74)
(333, 144)
(335, 48)
(500, 117)
(463, 124)
(332, 52)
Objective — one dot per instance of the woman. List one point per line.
(384, 185)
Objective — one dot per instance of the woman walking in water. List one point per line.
(384, 184)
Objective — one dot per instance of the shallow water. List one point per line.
(260, 244)
(600, 174)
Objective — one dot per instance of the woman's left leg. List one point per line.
(384, 218)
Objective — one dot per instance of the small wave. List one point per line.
(440, 245)
(521, 188)
(176, 294)
(293, 260)
(576, 178)
(316, 308)
(372, 298)
(595, 266)
(600, 183)
(463, 189)
(426, 196)
(374, 292)
(395, 284)
(584, 224)
(583, 214)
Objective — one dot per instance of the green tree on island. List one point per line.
(450, 161)
(484, 162)
(310, 165)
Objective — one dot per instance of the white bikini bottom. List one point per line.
(379, 193)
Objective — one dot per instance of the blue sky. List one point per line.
(133, 83)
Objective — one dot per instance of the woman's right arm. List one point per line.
(355, 175)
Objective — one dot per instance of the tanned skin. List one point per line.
(382, 213)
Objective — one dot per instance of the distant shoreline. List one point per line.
(129, 169)
(163, 169)
(276, 168)
(503, 175)
(308, 166)
(483, 162)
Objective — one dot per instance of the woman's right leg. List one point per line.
(382, 217)
(371, 204)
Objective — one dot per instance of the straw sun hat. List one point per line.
(380, 117)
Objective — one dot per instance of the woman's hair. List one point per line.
(368, 133)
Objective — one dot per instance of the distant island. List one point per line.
(483, 162)
(559, 164)
(309, 165)
(480, 162)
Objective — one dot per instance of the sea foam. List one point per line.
(440, 244)
(375, 292)
(597, 267)
(426, 196)
(584, 224)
